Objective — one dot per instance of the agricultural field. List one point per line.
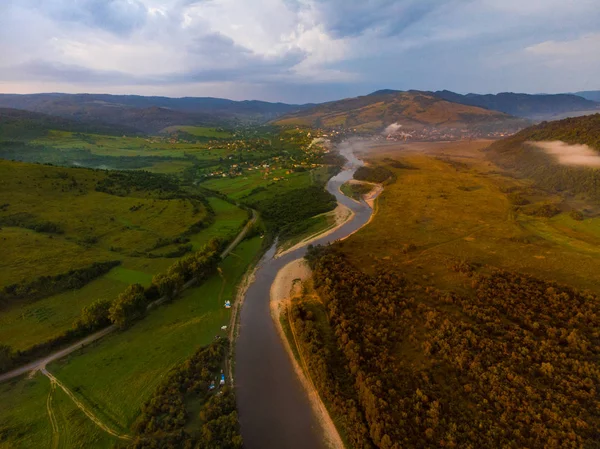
(200, 131)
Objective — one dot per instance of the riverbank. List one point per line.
(343, 215)
(287, 285)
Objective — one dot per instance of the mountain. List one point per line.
(536, 107)
(412, 109)
(593, 95)
(148, 114)
(17, 124)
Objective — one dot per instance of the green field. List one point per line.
(25, 420)
(118, 227)
(24, 325)
(200, 131)
(119, 373)
(116, 375)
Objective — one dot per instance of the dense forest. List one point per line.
(511, 362)
(17, 124)
(164, 421)
(515, 153)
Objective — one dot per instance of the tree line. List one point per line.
(45, 286)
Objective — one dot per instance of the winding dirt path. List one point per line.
(52, 417)
(83, 408)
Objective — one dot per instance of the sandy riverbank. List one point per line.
(287, 284)
(343, 215)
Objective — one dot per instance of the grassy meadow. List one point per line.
(453, 204)
(94, 227)
(116, 375)
(200, 131)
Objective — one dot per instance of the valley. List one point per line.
(146, 262)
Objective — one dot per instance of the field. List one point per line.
(94, 227)
(258, 184)
(115, 376)
(200, 131)
(24, 325)
(454, 205)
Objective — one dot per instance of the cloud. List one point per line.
(577, 155)
(299, 50)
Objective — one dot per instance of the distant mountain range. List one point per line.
(151, 115)
(148, 114)
(412, 109)
(20, 125)
(534, 107)
(593, 95)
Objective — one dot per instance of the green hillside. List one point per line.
(57, 223)
(515, 153)
(380, 109)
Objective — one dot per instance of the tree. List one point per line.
(130, 305)
(94, 316)
(6, 357)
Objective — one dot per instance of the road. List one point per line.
(40, 364)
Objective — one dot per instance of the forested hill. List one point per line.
(382, 108)
(523, 105)
(148, 114)
(578, 130)
(515, 153)
(16, 124)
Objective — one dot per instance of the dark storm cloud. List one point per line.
(388, 17)
(117, 16)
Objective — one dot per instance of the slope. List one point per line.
(148, 114)
(517, 153)
(21, 125)
(412, 109)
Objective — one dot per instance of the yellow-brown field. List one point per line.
(453, 205)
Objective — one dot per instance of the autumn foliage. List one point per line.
(512, 362)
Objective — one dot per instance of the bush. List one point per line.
(576, 215)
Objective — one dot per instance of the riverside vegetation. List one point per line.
(88, 248)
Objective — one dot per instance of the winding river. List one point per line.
(274, 410)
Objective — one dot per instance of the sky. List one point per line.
(298, 51)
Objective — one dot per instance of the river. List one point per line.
(274, 409)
